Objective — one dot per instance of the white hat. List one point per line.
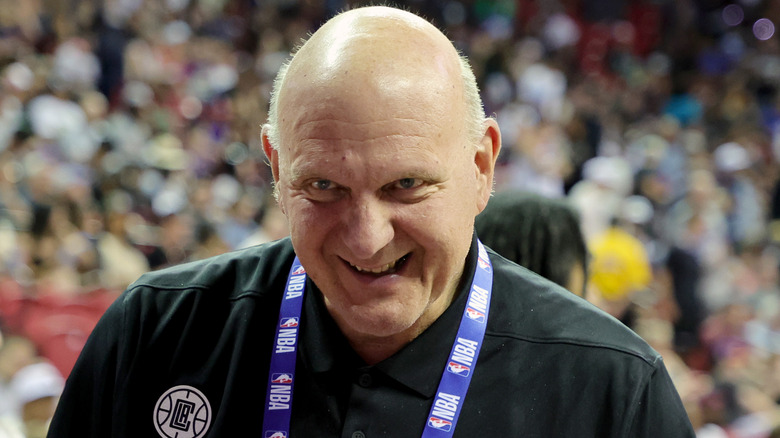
(731, 157)
(613, 172)
(37, 381)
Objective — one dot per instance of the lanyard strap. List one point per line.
(281, 374)
(457, 374)
(455, 378)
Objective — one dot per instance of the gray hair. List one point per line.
(475, 114)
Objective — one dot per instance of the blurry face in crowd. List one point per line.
(375, 172)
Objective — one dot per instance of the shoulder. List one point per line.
(528, 307)
(247, 270)
(256, 272)
(160, 308)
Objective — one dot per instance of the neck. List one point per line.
(374, 348)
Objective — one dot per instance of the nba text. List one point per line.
(445, 406)
(280, 397)
(295, 288)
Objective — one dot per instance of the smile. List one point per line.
(389, 268)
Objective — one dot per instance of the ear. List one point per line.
(273, 160)
(271, 153)
(485, 161)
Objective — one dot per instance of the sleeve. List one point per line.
(658, 410)
(86, 406)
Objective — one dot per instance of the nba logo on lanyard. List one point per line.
(456, 378)
(440, 424)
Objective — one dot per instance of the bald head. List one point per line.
(377, 41)
(370, 54)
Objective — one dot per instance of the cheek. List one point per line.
(302, 222)
(310, 220)
(441, 222)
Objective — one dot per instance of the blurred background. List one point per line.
(129, 141)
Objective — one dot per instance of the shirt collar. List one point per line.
(417, 366)
(323, 347)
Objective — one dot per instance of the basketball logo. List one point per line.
(182, 412)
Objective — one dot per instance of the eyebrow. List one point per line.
(418, 171)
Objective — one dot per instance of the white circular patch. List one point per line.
(182, 412)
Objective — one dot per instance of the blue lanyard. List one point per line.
(281, 374)
(457, 374)
(455, 379)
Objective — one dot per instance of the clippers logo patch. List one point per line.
(440, 424)
(182, 412)
(289, 322)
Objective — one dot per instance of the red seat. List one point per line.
(59, 326)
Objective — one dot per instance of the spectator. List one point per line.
(35, 389)
(539, 233)
(620, 271)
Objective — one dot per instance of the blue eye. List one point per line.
(322, 184)
(408, 183)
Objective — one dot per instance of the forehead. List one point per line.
(367, 167)
(367, 118)
(385, 114)
(369, 94)
(381, 150)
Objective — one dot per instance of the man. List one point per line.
(384, 324)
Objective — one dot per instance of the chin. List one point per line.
(381, 324)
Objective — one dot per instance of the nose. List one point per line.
(368, 226)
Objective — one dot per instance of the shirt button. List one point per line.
(358, 434)
(365, 380)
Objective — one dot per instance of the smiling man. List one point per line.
(381, 167)
(382, 314)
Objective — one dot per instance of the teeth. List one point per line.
(384, 268)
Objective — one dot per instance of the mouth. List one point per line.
(389, 268)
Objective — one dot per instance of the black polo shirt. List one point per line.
(185, 352)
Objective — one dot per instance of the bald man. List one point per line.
(382, 314)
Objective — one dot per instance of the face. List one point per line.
(380, 189)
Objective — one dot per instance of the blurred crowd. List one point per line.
(129, 141)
